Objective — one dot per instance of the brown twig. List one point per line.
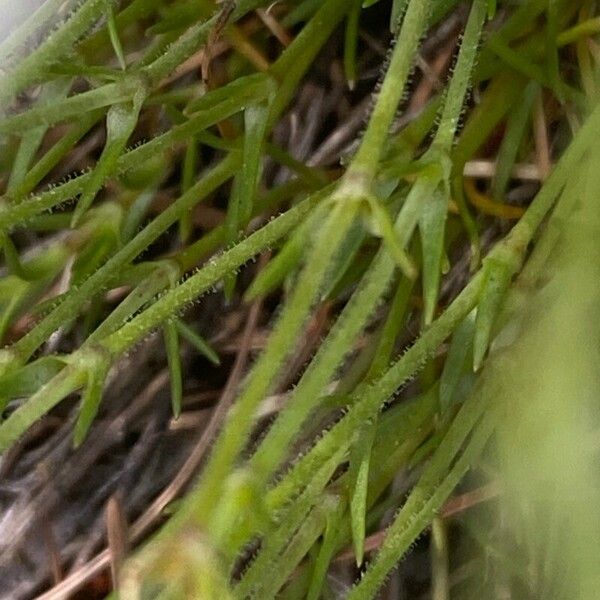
(117, 536)
(275, 27)
(53, 552)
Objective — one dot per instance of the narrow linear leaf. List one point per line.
(197, 341)
(431, 491)
(32, 138)
(90, 402)
(157, 277)
(93, 256)
(121, 120)
(285, 262)
(516, 128)
(283, 265)
(290, 520)
(456, 360)
(398, 9)
(380, 224)
(360, 457)
(114, 36)
(13, 260)
(172, 349)
(351, 43)
(53, 156)
(190, 168)
(30, 378)
(432, 222)
(135, 215)
(497, 276)
(392, 327)
(245, 185)
(326, 552)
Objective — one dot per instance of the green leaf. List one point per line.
(53, 156)
(497, 276)
(114, 36)
(174, 360)
(285, 262)
(398, 9)
(190, 168)
(454, 366)
(90, 401)
(242, 198)
(442, 473)
(121, 120)
(345, 258)
(92, 256)
(67, 381)
(135, 215)
(239, 514)
(248, 90)
(54, 48)
(28, 379)
(432, 222)
(516, 129)
(13, 260)
(380, 224)
(326, 551)
(360, 457)
(351, 43)
(392, 327)
(32, 138)
(13, 294)
(197, 341)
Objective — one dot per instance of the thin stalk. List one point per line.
(187, 292)
(143, 324)
(368, 399)
(33, 68)
(240, 419)
(428, 496)
(369, 153)
(19, 214)
(192, 39)
(459, 84)
(69, 380)
(71, 305)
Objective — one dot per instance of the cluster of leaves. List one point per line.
(395, 191)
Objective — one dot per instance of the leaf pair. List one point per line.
(121, 120)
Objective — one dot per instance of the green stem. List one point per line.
(291, 66)
(428, 496)
(178, 298)
(34, 67)
(17, 214)
(371, 148)
(66, 382)
(461, 77)
(192, 39)
(69, 308)
(240, 419)
(368, 399)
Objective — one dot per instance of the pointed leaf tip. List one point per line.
(497, 276)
